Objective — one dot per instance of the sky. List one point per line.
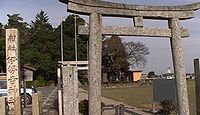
(160, 52)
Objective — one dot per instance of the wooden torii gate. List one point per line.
(96, 9)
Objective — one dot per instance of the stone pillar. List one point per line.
(12, 66)
(119, 109)
(70, 90)
(3, 105)
(17, 103)
(197, 84)
(95, 47)
(37, 104)
(138, 21)
(179, 67)
(40, 102)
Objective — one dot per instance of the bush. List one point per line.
(168, 107)
(29, 84)
(82, 77)
(84, 106)
(39, 82)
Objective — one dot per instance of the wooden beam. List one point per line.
(134, 31)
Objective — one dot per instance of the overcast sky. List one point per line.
(160, 53)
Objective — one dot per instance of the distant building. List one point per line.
(3, 76)
(135, 75)
(28, 72)
(169, 70)
(169, 74)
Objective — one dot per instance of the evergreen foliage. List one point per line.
(40, 45)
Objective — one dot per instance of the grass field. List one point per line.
(141, 97)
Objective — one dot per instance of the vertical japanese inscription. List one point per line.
(12, 65)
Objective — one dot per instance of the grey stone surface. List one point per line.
(134, 31)
(70, 90)
(120, 12)
(95, 46)
(138, 21)
(179, 67)
(197, 84)
(3, 105)
(100, 3)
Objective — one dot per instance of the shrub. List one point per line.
(39, 82)
(82, 77)
(84, 106)
(168, 107)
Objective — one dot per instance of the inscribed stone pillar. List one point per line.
(12, 65)
(179, 67)
(70, 90)
(197, 84)
(95, 47)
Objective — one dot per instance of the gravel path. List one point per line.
(109, 108)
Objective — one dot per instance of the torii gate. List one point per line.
(96, 9)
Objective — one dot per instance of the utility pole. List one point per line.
(76, 57)
(61, 41)
(59, 73)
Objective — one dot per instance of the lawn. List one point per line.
(141, 97)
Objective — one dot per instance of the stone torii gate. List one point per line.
(96, 9)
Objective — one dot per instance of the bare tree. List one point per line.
(137, 53)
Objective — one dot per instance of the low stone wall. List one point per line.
(124, 84)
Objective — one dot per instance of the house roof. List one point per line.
(29, 67)
(136, 71)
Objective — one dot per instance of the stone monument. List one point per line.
(96, 9)
(12, 66)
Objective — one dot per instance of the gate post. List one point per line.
(37, 103)
(70, 90)
(197, 84)
(179, 67)
(94, 73)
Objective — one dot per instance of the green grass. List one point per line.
(141, 97)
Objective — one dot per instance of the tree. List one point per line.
(68, 42)
(137, 53)
(151, 74)
(2, 49)
(114, 55)
(41, 50)
(69, 35)
(15, 21)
